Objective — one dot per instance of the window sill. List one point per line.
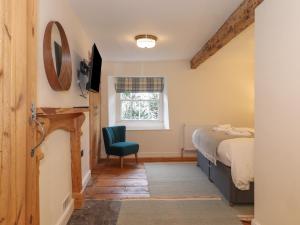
(146, 129)
(141, 126)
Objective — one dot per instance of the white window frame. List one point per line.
(114, 104)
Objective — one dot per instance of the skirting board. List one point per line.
(64, 219)
(86, 179)
(254, 222)
(157, 154)
(142, 154)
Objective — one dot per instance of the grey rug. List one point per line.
(96, 213)
(156, 212)
(178, 179)
(198, 212)
(183, 180)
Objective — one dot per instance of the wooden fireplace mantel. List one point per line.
(70, 120)
(47, 111)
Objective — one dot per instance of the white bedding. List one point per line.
(238, 154)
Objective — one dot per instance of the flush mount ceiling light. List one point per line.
(145, 40)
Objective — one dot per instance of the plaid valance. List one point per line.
(139, 84)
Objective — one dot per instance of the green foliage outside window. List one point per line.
(140, 106)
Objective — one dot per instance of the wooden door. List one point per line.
(95, 129)
(17, 92)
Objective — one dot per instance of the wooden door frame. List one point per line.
(18, 65)
(32, 212)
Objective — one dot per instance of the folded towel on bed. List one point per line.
(223, 127)
(238, 132)
(251, 130)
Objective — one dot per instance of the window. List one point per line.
(140, 103)
(140, 106)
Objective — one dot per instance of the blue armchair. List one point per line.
(116, 144)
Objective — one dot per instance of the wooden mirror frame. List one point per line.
(63, 80)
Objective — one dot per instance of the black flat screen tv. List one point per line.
(93, 84)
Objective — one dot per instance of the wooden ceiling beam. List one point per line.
(241, 18)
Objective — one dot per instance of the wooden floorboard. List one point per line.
(116, 196)
(118, 190)
(122, 182)
(109, 181)
(120, 176)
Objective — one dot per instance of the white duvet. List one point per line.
(239, 152)
(236, 153)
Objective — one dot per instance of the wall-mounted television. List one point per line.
(94, 74)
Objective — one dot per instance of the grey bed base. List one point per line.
(220, 175)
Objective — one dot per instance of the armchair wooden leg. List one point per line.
(136, 158)
(121, 161)
(107, 157)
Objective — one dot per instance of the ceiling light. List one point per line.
(145, 41)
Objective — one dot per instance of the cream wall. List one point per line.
(277, 113)
(55, 168)
(220, 91)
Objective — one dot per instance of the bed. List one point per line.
(230, 167)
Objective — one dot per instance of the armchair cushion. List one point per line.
(124, 148)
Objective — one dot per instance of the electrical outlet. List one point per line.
(82, 152)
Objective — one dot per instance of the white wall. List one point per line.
(277, 113)
(220, 91)
(55, 176)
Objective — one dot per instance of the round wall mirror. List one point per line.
(57, 57)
